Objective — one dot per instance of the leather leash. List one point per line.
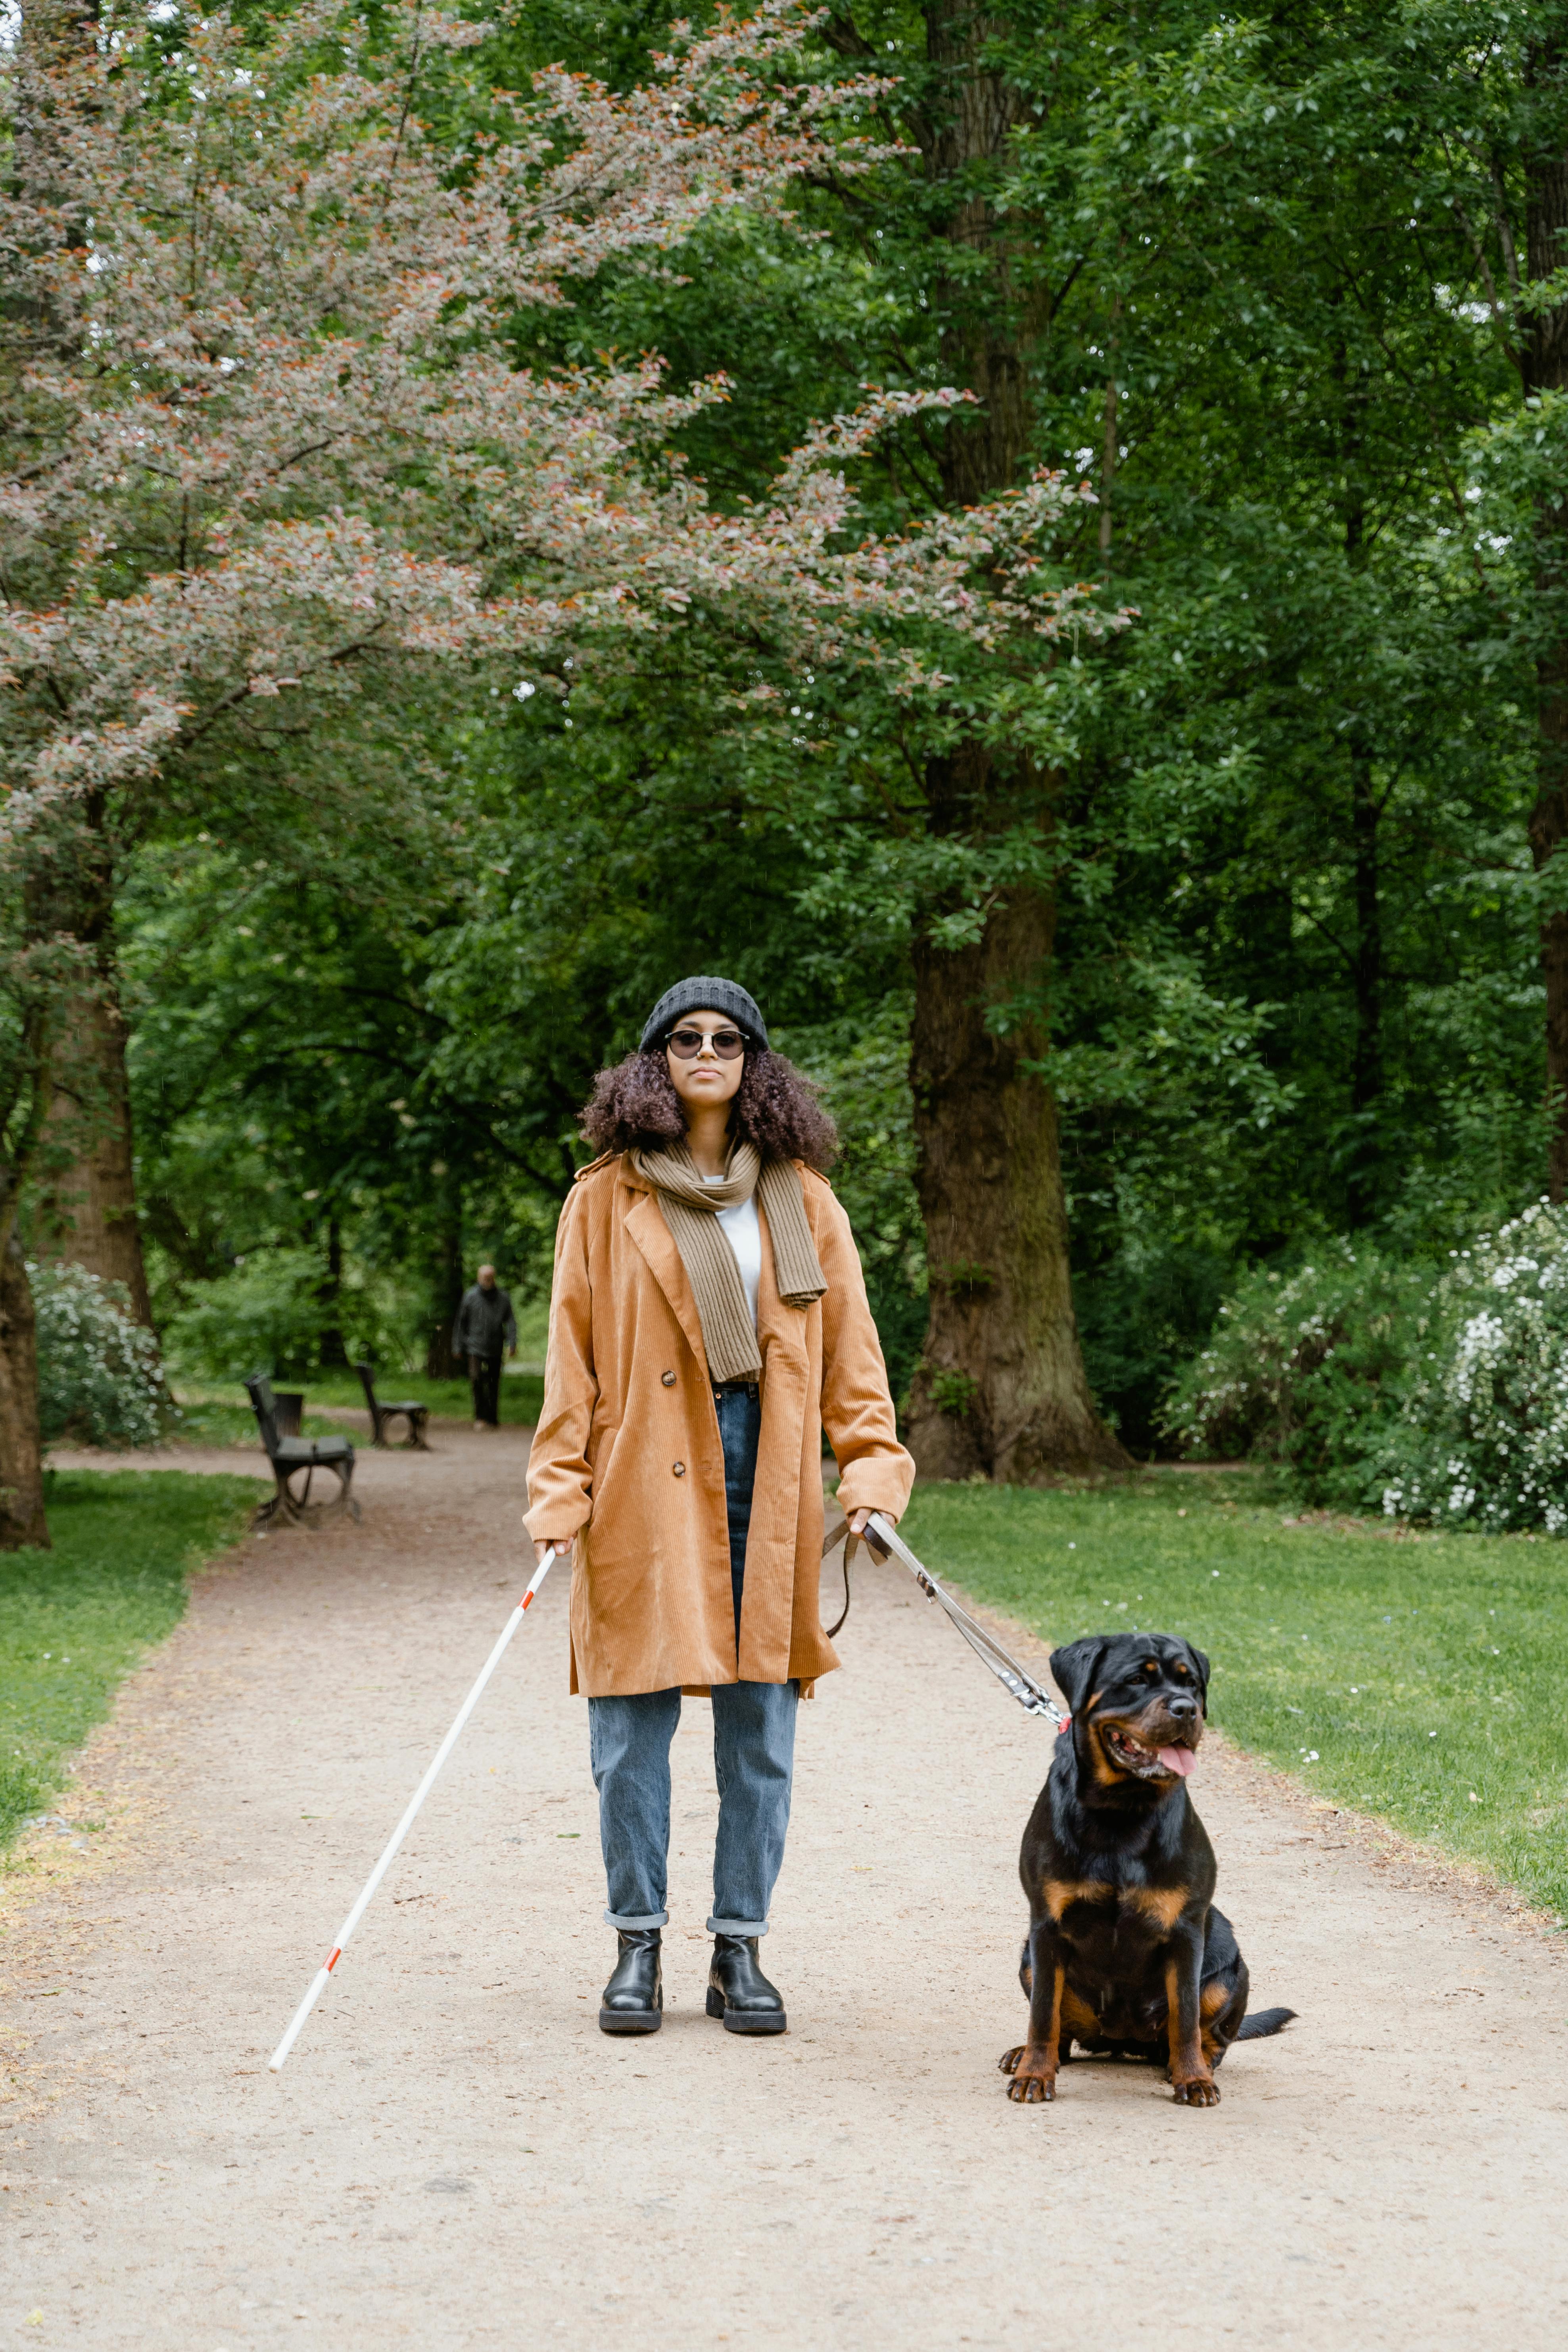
(883, 1541)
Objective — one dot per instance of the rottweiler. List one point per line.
(1126, 1954)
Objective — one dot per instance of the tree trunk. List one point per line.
(333, 1351)
(1001, 1390)
(89, 1209)
(446, 1296)
(21, 1520)
(1545, 369)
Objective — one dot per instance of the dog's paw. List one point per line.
(1031, 2083)
(1202, 2094)
(1032, 2090)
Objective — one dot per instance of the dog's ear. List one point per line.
(1200, 1664)
(1074, 1668)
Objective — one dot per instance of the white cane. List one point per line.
(318, 1983)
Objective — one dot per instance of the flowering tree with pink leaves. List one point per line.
(265, 375)
(280, 460)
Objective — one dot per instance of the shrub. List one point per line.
(1483, 1436)
(267, 1316)
(100, 1377)
(1141, 1315)
(1307, 1370)
(275, 1311)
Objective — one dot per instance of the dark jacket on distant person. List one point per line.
(486, 1325)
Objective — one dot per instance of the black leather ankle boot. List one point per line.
(633, 1998)
(739, 1992)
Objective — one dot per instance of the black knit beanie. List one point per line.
(705, 995)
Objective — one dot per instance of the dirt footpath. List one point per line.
(455, 2156)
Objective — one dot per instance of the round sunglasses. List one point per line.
(686, 1043)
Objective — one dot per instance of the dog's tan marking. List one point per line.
(1192, 2076)
(1164, 1904)
(1034, 2071)
(1077, 2015)
(1104, 1770)
(1211, 2001)
(1059, 1892)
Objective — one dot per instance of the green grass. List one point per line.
(74, 1620)
(521, 1394)
(211, 1424)
(1423, 1670)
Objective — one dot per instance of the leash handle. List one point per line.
(849, 1543)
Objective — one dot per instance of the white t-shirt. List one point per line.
(744, 1235)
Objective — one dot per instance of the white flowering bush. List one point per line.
(1482, 1439)
(1440, 1395)
(1305, 1369)
(100, 1379)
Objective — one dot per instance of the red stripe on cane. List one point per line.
(337, 1955)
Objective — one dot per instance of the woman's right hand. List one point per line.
(542, 1544)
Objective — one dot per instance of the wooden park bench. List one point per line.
(380, 1416)
(289, 1454)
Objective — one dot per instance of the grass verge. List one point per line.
(74, 1620)
(209, 1406)
(1413, 1677)
(213, 1424)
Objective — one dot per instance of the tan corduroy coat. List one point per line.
(627, 1458)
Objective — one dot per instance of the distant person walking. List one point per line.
(485, 1330)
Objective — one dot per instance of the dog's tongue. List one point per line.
(1178, 1759)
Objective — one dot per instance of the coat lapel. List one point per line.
(644, 1224)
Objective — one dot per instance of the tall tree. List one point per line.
(271, 437)
(1001, 1389)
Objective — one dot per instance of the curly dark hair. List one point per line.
(635, 1104)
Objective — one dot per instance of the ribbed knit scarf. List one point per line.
(690, 1210)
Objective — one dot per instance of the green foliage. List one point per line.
(74, 1620)
(268, 1315)
(1294, 987)
(1141, 1318)
(1307, 1370)
(1414, 1677)
(100, 1379)
(860, 1061)
(953, 1394)
(283, 1311)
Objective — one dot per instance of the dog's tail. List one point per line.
(1264, 2022)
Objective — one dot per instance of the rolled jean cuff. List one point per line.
(652, 1920)
(737, 1927)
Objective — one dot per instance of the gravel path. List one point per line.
(455, 2156)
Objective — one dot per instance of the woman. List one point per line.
(709, 1321)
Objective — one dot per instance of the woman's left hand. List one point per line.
(858, 1520)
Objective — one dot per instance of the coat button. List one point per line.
(669, 1379)
(681, 1469)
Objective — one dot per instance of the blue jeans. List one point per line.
(754, 1752)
